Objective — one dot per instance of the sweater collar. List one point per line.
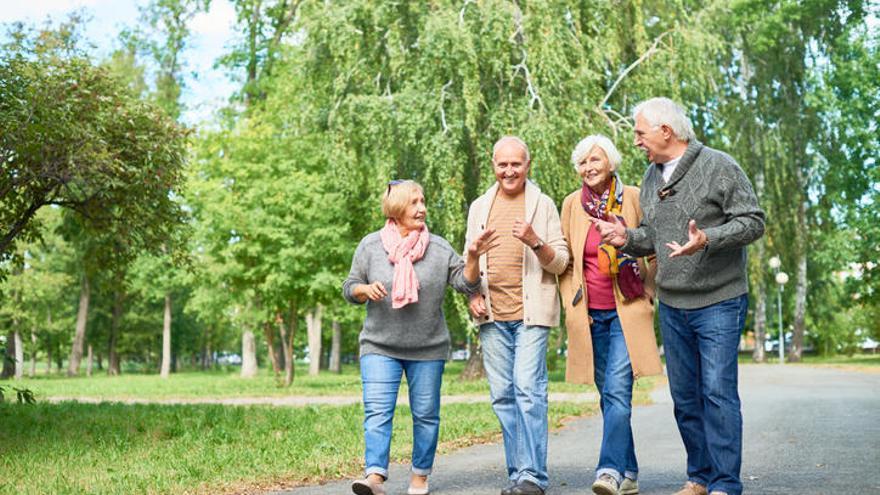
(684, 164)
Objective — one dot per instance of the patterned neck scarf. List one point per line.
(612, 262)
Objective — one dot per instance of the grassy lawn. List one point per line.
(856, 362)
(156, 448)
(116, 448)
(223, 384)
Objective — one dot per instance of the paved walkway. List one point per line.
(807, 431)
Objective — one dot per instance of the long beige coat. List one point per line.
(636, 317)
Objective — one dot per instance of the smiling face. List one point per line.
(655, 141)
(595, 170)
(414, 214)
(511, 167)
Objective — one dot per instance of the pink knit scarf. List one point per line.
(402, 253)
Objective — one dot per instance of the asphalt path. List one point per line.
(807, 430)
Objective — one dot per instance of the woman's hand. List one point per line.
(482, 244)
(374, 292)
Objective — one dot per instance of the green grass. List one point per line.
(865, 362)
(116, 448)
(225, 384)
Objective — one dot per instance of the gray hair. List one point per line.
(586, 145)
(516, 140)
(663, 111)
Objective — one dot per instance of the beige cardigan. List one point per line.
(540, 300)
(636, 316)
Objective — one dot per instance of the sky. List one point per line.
(211, 31)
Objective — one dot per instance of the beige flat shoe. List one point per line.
(366, 487)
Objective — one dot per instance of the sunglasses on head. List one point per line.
(392, 183)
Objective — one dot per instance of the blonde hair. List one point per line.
(397, 197)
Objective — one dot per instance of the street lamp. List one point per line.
(781, 279)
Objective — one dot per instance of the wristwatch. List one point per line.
(538, 245)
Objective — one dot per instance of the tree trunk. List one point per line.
(80, 336)
(800, 311)
(269, 333)
(166, 339)
(113, 357)
(49, 344)
(758, 354)
(335, 348)
(9, 357)
(248, 354)
(313, 327)
(800, 299)
(287, 344)
(207, 361)
(19, 355)
(89, 360)
(473, 370)
(33, 372)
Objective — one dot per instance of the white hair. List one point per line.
(587, 144)
(516, 140)
(663, 111)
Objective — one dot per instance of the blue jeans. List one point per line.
(701, 362)
(515, 359)
(381, 376)
(614, 381)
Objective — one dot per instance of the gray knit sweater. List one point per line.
(416, 331)
(711, 188)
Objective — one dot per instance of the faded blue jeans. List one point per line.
(701, 362)
(515, 358)
(381, 376)
(614, 381)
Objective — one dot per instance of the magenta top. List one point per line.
(600, 290)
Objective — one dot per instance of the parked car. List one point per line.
(228, 358)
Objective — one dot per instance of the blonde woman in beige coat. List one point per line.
(608, 301)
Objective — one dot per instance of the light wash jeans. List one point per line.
(614, 381)
(381, 376)
(514, 356)
(701, 362)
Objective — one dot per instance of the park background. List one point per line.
(153, 250)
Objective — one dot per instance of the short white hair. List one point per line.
(663, 111)
(516, 140)
(587, 144)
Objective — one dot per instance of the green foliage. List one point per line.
(74, 136)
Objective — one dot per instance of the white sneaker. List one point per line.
(629, 487)
(605, 485)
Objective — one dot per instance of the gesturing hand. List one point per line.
(374, 292)
(524, 232)
(613, 232)
(482, 244)
(697, 240)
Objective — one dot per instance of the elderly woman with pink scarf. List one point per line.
(401, 273)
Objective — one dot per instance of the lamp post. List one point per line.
(781, 279)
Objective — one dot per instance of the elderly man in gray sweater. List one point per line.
(700, 213)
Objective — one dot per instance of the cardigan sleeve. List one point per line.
(555, 238)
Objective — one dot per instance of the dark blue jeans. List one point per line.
(614, 381)
(701, 362)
